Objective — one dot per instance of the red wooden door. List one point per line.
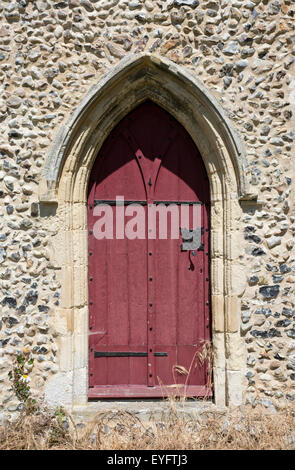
(148, 297)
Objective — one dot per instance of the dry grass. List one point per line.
(246, 428)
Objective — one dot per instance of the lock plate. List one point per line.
(191, 239)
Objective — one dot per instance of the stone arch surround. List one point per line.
(65, 182)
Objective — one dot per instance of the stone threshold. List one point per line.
(145, 410)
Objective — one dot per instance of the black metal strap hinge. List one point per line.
(124, 202)
(126, 354)
(99, 202)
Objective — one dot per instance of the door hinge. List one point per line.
(126, 354)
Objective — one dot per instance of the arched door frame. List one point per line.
(66, 174)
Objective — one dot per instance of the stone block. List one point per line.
(235, 351)
(232, 314)
(217, 304)
(62, 322)
(65, 353)
(59, 390)
(219, 387)
(218, 350)
(66, 280)
(234, 389)
(81, 356)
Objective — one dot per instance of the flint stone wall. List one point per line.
(51, 53)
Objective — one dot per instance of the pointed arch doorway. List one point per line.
(65, 185)
(148, 293)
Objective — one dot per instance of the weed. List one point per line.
(21, 381)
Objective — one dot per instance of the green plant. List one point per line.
(21, 381)
(59, 428)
